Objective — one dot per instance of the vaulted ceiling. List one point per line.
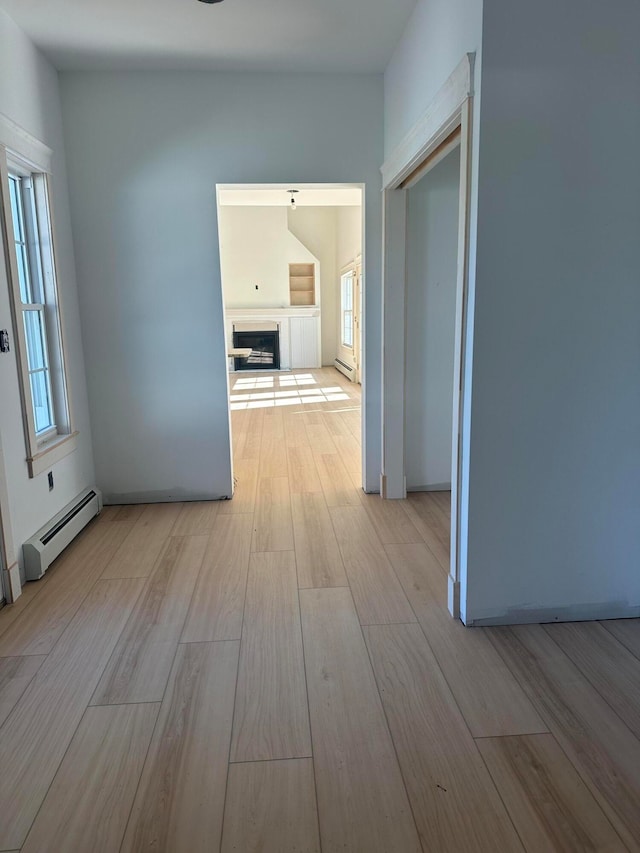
(270, 35)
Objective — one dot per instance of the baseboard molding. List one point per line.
(453, 597)
(11, 584)
(159, 498)
(433, 487)
(541, 615)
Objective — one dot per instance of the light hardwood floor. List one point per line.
(279, 673)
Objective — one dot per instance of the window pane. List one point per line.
(32, 239)
(347, 292)
(347, 329)
(41, 400)
(17, 214)
(23, 273)
(16, 204)
(34, 333)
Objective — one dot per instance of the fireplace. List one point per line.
(265, 350)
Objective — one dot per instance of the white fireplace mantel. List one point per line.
(299, 327)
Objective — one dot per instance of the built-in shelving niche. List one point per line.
(302, 284)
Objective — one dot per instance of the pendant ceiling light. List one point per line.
(210, 1)
(292, 193)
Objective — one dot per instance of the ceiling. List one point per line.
(276, 195)
(264, 35)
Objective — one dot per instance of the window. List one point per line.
(36, 312)
(346, 308)
(32, 300)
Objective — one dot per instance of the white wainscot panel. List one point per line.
(303, 341)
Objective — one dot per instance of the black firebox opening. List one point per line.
(265, 350)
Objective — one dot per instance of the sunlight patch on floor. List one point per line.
(260, 392)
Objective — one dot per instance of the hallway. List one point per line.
(279, 673)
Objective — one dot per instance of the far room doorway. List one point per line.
(432, 272)
(293, 286)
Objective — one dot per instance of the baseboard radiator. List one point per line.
(345, 368)
(51, 540)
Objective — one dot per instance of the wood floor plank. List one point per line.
(245, 474)
(88, 804)
(37, 732)
(336, 484)
(139, 667)
(196, 518)
(303, 474)
(273, 457)
(272, 525)
(362, 801)
(376, 590)
(439, 511)
(356, 481)
(295, 432)
(271, 808)
(443, 500)
(273, 424)
(70, 578)
(627, 632)
(336, 426)
(352, 418)
(141, 548)
(549, 803)
(428, 523)
(491, 700)
(123, 512)
(271, 717)
(11, 614)
(247, 440)
(218, 601)
(318, 435)
(455, 804)
(350, 452)
(180, 800)
(598, 743)
(610, 667)
(15, 676)
(390, 520)
(317, 554)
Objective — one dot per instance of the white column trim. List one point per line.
(452, 108)
(33, 153)
(441, 117)
(10, 583)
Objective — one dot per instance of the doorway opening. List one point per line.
(432, 257)
(445, 128)
(293, 292)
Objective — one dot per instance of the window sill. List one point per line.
(51, 452)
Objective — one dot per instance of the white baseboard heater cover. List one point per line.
(51, 540)
(345, 368)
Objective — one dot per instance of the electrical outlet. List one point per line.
(50, 479)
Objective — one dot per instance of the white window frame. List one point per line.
(347, 274)
(49, 446)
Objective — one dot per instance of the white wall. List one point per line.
(349, 246)
(435, 39)
(29, 96)
(147, 151)
(316, 228)
(432, 248)
(256, 248)
(349, 226)
(554, 508)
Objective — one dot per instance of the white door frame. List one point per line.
(360, 260)
(423, 147)
(10, 587)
